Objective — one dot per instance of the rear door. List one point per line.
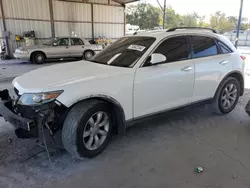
(76, 47)
(211, 65)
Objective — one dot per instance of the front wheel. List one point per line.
(38, 58)
(88, 54)
(87, 129)
(227, 96)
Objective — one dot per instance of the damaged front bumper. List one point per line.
(27, 120)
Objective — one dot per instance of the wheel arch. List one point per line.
(88, 50)
(37, 51)
(237, 75)
(118, 112)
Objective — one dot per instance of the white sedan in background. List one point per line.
(58, 48)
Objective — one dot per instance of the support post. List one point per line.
(239, 24)
(5, 29)
(124, 21)
(52, 18)
(92, 22)
(164, 15)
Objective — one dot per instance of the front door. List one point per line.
(167, 85)
(59, 49)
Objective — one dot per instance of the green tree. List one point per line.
(189, 20)
(220, 22)
(172, 19)
(144, 15)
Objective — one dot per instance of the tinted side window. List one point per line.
(203, 46)
(175, 49)
(224, 48)
(62, 42)
(76, 41)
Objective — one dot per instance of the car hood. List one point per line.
(59, 76)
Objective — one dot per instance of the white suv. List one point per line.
(136, 76)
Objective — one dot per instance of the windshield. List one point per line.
(49, 43)
(125, 52)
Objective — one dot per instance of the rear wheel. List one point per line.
(227, 96)
(88, 54)
(87, 129)
(38, 58)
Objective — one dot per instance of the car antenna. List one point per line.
(135, 33)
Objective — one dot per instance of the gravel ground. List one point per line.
(159, 152)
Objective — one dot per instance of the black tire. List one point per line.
(88, 54)
(38, 58)
(75, 124)
(217, 101)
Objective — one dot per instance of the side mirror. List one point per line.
(157, 58)
(54, 44)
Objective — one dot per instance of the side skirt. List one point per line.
(131, 122)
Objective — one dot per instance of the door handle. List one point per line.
(188, 68)
(223, 62)
(67, 47)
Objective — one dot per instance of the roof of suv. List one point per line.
(164, 33)
(161, 34)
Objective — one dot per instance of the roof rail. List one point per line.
(205, 28)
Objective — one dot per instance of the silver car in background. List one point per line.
(58, 48)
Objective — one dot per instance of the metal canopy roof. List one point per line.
(123, 2)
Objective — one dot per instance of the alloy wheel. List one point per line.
(96, 130)
(229, 96)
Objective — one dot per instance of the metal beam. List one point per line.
(239, 24)
(52, 23)
(164, 15)
(124, 29)
(160, 5)
(5, 28)
(92, 22)
(74, 1)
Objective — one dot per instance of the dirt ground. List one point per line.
(159, 152)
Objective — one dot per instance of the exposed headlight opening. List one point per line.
(34, 99)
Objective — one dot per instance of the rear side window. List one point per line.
(175, 49)
(76, 41)
(203, 46)
(224, 48)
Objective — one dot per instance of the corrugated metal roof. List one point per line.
(121, 2)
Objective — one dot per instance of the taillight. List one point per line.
(243, 57)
